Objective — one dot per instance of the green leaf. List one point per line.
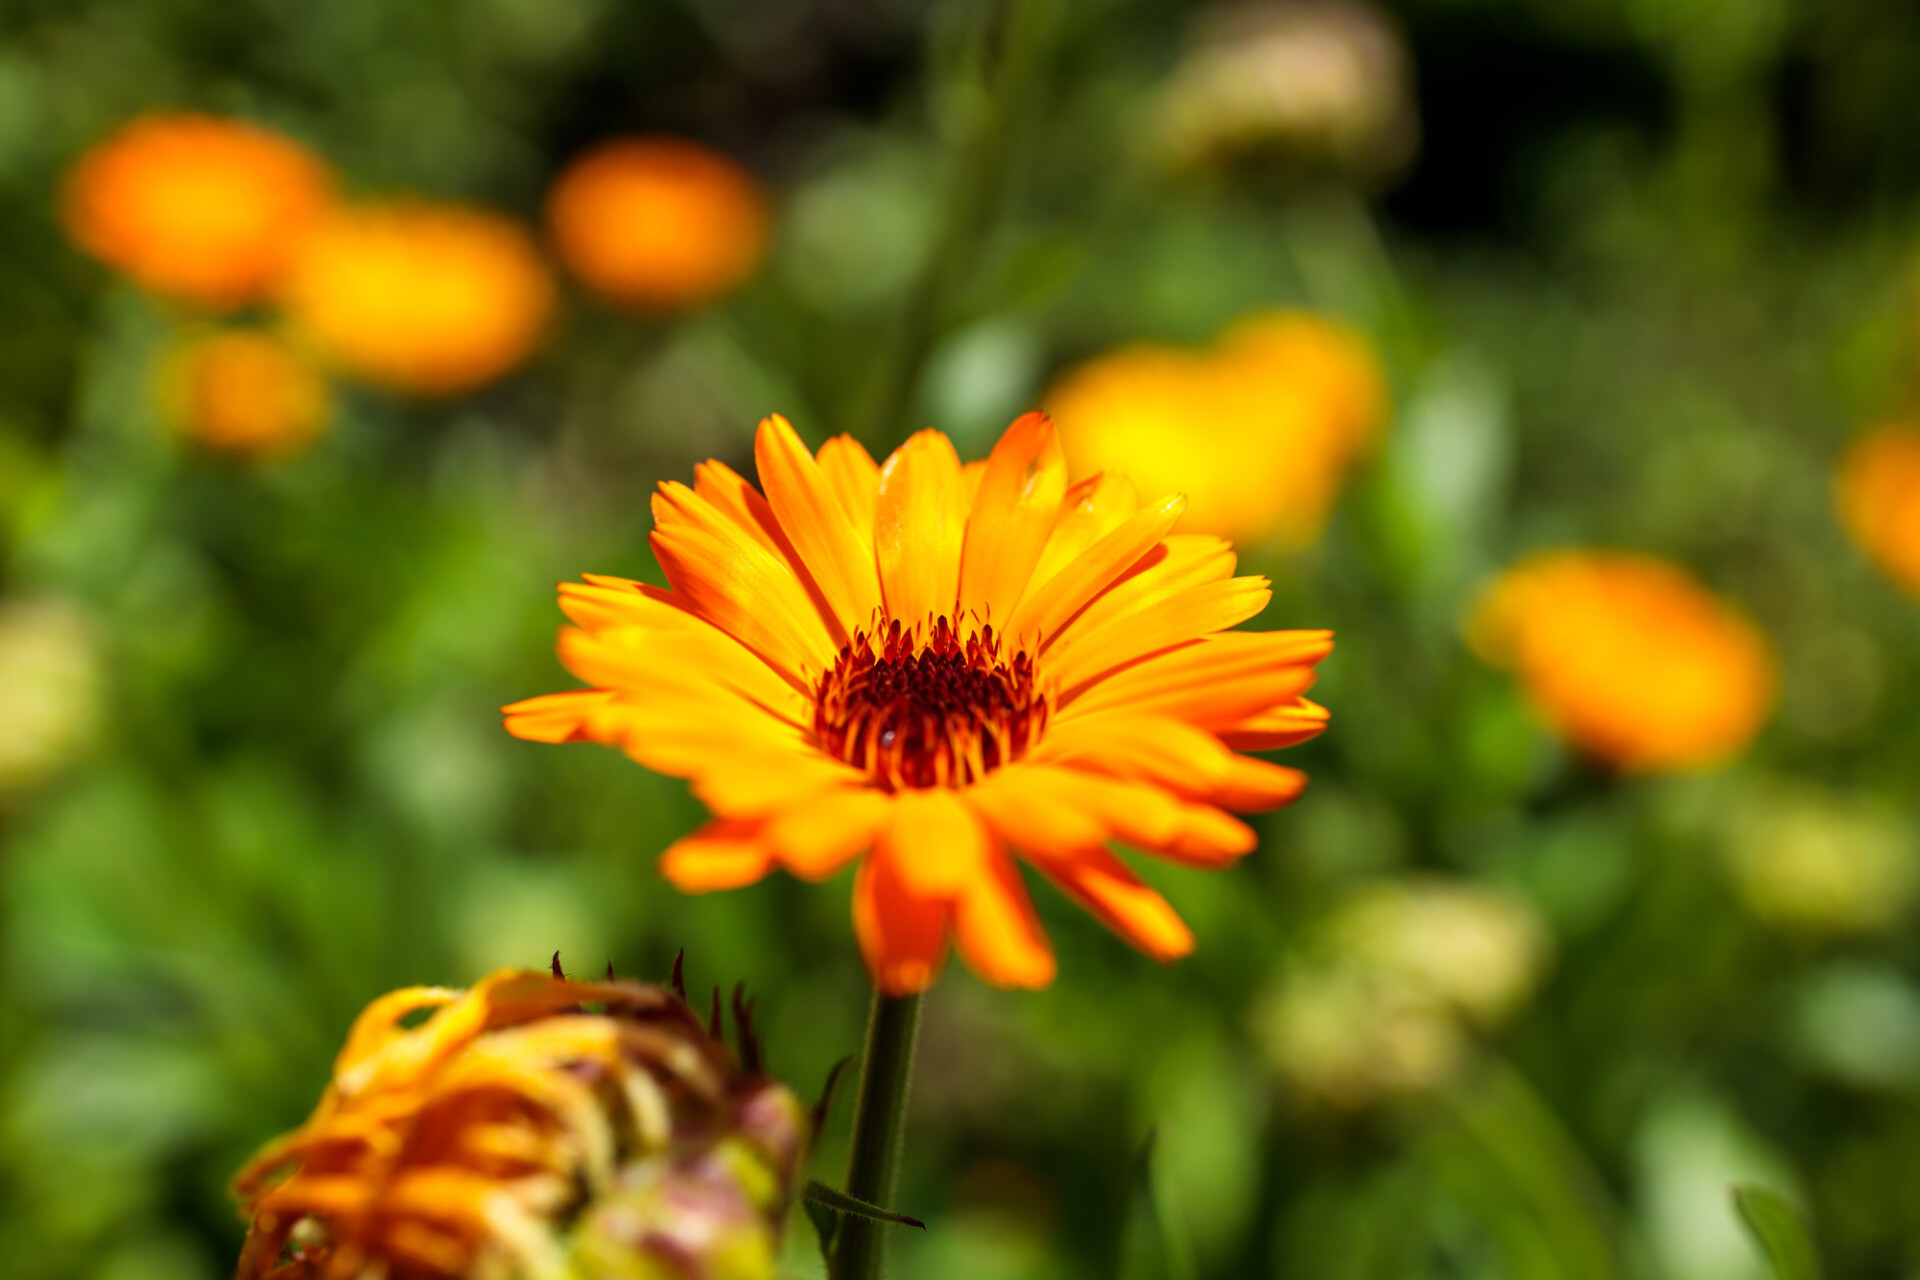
(826, 1226)
(1780, 1231)
(1153, 1240)
(819, 1193)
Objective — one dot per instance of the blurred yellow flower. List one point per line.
(1258, 432)
(659, 222)
(195, 207)
(1877, 485)
(52, 689)
(243, 391)
(529, 1128)
(1380, 1002)
(1813, 862)
(428, 298)
(920, 667)
(1628, 657)
(1312, 84)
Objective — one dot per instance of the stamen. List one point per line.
(935, 712)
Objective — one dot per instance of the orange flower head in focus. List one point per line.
(658, 222)
(427, 298)
(1629, 658)
(1259, 431)
(195, 207)
(929, 668)
(245, 392)
(1878, 488)
(530, 1127)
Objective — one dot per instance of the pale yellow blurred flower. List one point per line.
(1381, 1001)
(52, 690)
(1317, 84)
(1259, 431)
(1815, 862)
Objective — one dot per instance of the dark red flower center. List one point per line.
(922, 707)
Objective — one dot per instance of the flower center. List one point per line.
(938, 712)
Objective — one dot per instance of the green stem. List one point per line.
(879, 1118)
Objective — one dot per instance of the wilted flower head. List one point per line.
(1877, 485)
(1379, 1001)
(243, 391)
(1309, 84)
(195, 207)
(658, 222)
(936, 663)
(1258, 432)
(530, 1127)
(1815, 862)
(420, 297)
(1628, 657)
(52, 689)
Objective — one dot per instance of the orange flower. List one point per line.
(195, 207)
(245, 392)
(1258, 432)
(1878, 489)
(937, 663)
(420, 297)
(531, 1126)
(1629, 658)
(656, 221)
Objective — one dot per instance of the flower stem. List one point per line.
(879, 1118)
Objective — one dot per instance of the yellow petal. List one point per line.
(817, 524)
(1046, 610)
(817, 838)
(919, 523)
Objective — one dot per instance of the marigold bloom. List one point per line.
(660, 222)
(937, 662)
(420, 297)
(1258, 432)
(1629, 658)
(243, 391)
(529, 1127)
(195, 207)
(1877, 485)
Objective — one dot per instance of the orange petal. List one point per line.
(1215, 680)
(1139, 813)
(751, 785)
(1179, 563)
(815, 839)
(1214, 606)
(700, 663)
(998, 933)
(1090, 511)
(741, 588)
(735, 497)
(1027, 810)
(1279, 727)
(555, 717)
(903, 935)
(838, 556)
(855, 478)
(1048, 609)
(935, 840)
(721, 855)
(1013, 512)
(1103, 885)
(1188, 761)
(919, 523)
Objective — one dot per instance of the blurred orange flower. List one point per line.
(1628, 657)
(243, 391)
(936, 663)
(195, 207)
(420, 297)
(529, 1127)
(1258, 432)
(1877, 485)
(659, 222)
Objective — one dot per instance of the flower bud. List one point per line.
(528, 1128)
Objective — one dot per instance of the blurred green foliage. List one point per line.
(1649, 268)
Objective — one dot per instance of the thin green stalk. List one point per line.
(879, 1119)
(978, 182)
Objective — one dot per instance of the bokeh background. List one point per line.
(1484, 1003)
